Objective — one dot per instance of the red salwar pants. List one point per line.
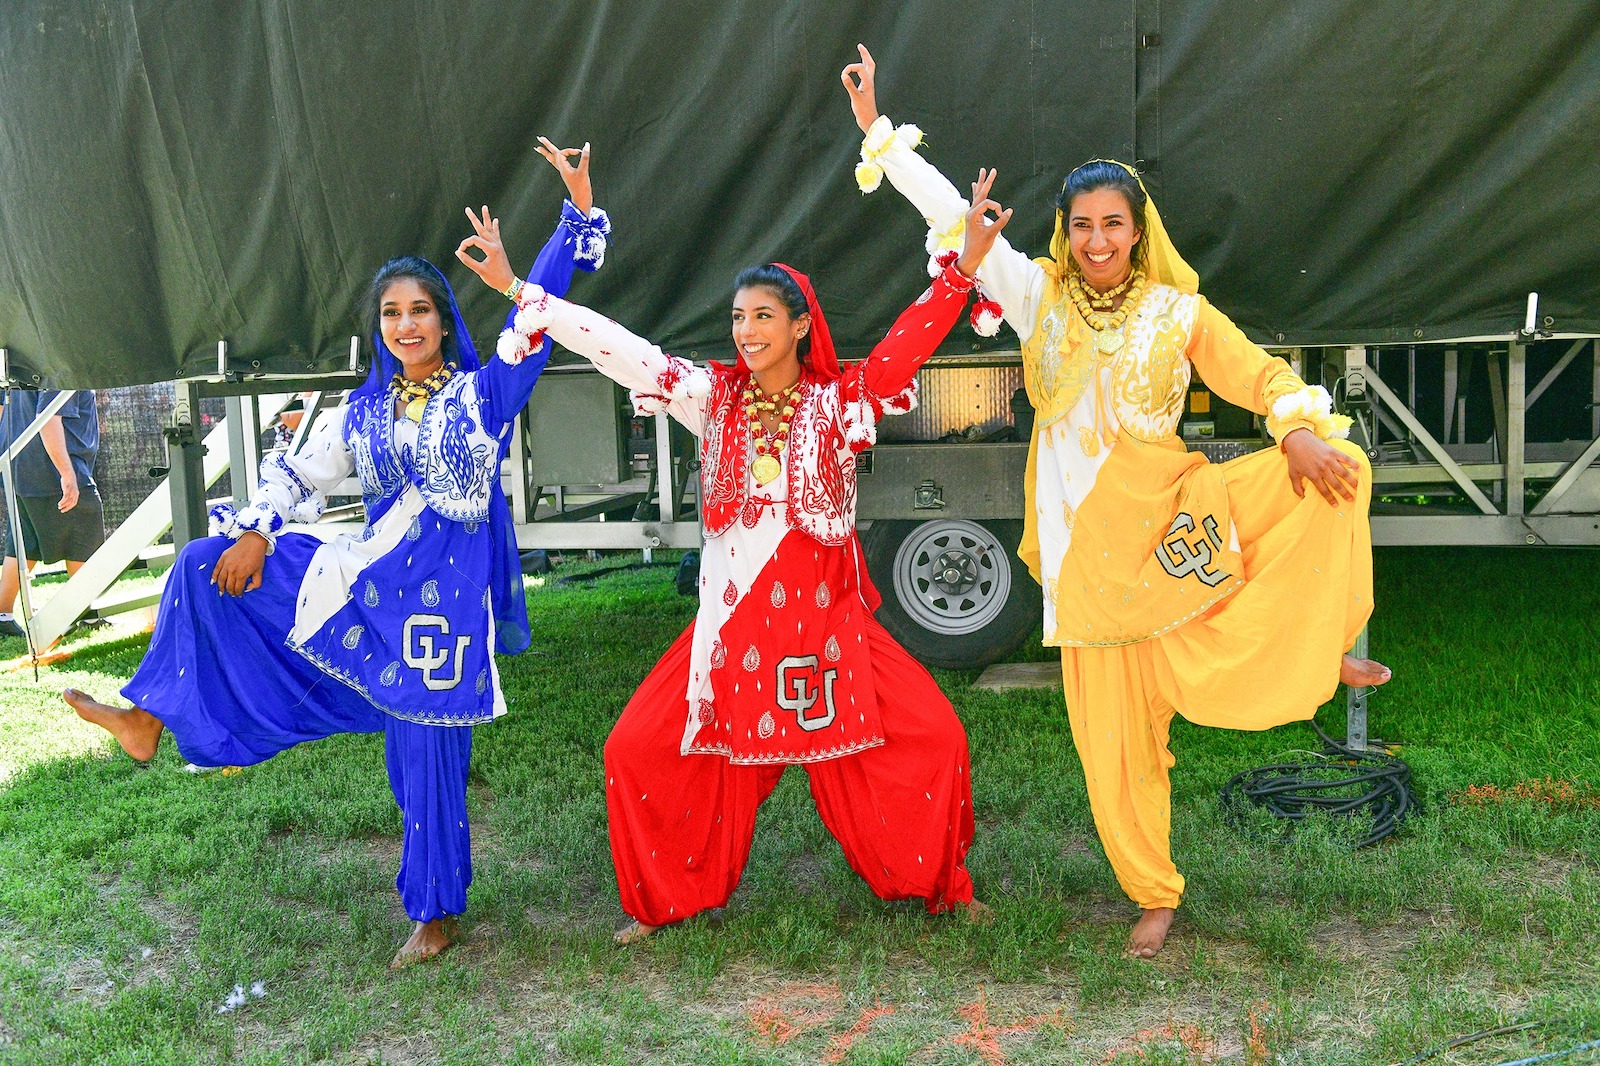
(681, 825)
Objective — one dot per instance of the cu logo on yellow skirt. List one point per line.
(1183, 552)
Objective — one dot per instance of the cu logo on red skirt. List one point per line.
(798, 692)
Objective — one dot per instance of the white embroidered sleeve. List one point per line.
(293, 488)
(1013, 279)
(656, 380)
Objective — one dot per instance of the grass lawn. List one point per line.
(133, 901)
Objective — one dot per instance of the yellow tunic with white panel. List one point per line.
(1171, 583)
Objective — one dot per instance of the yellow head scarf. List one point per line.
(1163, 264)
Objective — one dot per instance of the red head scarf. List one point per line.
(822, 360)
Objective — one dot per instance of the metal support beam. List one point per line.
(1569, 477)
(1550, 379)
(1516, 427)
(664, 469)
(185, 462)
(1355, 711)
(1376, 385)
(1452, 375)
(244, 446)
(1594, 393)
(524, 499)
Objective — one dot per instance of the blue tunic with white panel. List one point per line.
(391, 629)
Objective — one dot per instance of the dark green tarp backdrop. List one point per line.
(175, 174)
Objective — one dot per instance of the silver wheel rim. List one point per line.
(952, 577)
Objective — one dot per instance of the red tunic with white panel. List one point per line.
(784, 663)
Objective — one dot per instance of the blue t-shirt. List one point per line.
(35, 474)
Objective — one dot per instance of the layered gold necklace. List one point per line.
(1094, 307)
(413, 395)
(767, 447)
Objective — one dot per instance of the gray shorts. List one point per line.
(51, 536)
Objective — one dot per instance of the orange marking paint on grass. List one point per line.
(1255, 1048)
(778, 1019)
(983, 1036)
(1557, 794)
(1191, 1037)
(840, 1046)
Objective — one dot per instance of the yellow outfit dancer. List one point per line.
(1171, 583)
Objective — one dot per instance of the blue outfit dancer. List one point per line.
(392, 629)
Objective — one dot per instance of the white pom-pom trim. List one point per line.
(512, 347)
(986, 323)
(307, 510)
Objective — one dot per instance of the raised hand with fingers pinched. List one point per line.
(981, 230)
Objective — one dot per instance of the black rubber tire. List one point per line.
(1001, 635)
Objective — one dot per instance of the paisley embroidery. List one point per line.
(707, 713)
(779, 597)
(831, 650)
(766, 727)
(752, 659)
(390, 674)
(352, 636)
(370, 595)
(719, 655)
(824, 597)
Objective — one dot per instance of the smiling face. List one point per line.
(767, 337)
(1102, 235)
(412, 327)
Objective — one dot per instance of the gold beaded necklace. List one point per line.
(764, 465)
(1107, 325)
(1103, 301)
(413, 395)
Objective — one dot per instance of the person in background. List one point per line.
(58, 504)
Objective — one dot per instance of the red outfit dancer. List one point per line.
(784, 663)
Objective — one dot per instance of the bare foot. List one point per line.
(633, 932)
(974, 911)
(1363, 673)
(1150, 932)
(138, 731)
(428, 939)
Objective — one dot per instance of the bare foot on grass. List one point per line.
(1150, 932)
(138, 731)
(428, 940)
(633, 932)
(1363, 673)
(974, 911)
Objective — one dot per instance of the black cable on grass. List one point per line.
(1344, 783)
(1471, 1038)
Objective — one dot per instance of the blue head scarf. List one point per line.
(505, 575)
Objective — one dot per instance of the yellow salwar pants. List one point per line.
(1268, 654)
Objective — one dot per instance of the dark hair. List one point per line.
(1103, 174)
(423, 273)
(776, 280)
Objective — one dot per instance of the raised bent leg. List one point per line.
(1120, 726)
(1273, 652)
(680, 825)
(902, 812)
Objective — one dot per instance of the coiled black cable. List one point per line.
(1344, 783)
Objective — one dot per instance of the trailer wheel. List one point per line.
(954, 593)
